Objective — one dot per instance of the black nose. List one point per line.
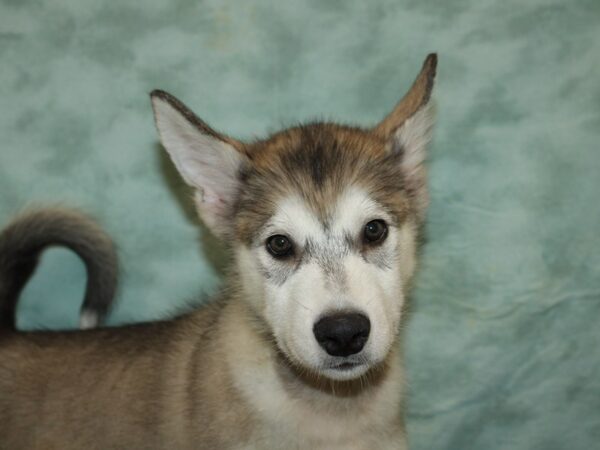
(342, 334)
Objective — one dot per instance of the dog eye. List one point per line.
(279, 246)
(375, 231)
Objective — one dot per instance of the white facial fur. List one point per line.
(331, 276)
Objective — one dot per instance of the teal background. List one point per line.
(503, 340)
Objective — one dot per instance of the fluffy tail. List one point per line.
(22, 241)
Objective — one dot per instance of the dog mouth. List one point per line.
(345, 370)
(345, 366)
(341, 365)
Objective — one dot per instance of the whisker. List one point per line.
(302, 305)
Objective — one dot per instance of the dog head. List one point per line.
(323, 220)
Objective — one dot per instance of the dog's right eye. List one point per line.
(279, 246)
(375, 231)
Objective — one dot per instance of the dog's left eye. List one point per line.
(375, 231)
(279, 246)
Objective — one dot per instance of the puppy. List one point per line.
(300, 350)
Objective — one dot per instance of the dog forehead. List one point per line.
(318, 164)
(299, 217)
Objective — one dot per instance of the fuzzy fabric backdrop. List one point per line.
(503, 340)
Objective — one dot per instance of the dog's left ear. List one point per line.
(408, 130)
(208, 161)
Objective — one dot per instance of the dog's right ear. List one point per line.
(207, 161)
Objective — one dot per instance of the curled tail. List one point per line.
(23, 240)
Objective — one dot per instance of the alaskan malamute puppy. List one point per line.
(299, 351)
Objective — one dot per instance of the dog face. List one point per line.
(323, 220)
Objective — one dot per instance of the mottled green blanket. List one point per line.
(503, 343)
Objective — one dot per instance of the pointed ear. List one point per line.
(207, 161)
(408, 131)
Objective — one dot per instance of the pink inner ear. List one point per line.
(212, 199)
(215, 201)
